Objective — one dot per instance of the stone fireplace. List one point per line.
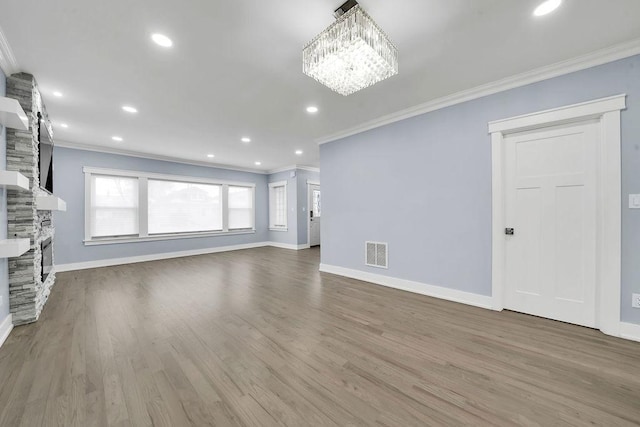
(27, 292)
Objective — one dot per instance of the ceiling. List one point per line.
(235, 68)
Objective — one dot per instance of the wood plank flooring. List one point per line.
(260, 338)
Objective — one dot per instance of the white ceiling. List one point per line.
(235, 68)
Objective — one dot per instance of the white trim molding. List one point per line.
(158, 157)
(293, 167)
(8, 62)
(557, 116)
(411, 286)
(579, 63)
(155, 237)
(630, 331)
(5, 328)
(109, 262)
(308, 168)
(130, 153)
(164, 176)
(154, 257)
(608, 242)
(290, 246)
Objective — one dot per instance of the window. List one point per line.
(114, 206)
(240, 207)
(317, 209)
(184, 207)
(278, 206)
(125, 206)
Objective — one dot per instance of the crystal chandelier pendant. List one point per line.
(350, 55)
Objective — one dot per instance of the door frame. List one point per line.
(309, 184)
(606, 112)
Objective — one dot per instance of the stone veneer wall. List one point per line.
(27, 293)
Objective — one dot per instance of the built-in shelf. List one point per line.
(13, 180)
(14, 247)
(12, 115)
(50, 203)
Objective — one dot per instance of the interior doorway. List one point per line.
(556, 212)
(550, 207)
(314, 207)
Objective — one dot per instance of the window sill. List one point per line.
(133, 239)
(278, 229)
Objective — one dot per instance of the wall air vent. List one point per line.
(376, 254)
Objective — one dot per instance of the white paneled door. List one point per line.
(551, 223)
(315, 214)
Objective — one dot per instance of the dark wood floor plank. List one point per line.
(260, 338)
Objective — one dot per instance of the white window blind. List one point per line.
(181, 207)
(240, 207)
(114, 206)
(129, 206)
(278, 205)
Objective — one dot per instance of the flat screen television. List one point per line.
(46, 157)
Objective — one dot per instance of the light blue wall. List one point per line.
(302, 177)
(4, 270)
(424, 184)
(289, 237)
(296, 233)
(69, 185)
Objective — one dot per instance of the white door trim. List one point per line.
(609, 211)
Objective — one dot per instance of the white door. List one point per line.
(315, 214)
(551, 206)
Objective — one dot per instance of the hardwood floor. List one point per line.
(260, 338)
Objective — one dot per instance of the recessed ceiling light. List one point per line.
(64, 125)
(298, 152)
(211, 156)
(57, 93)
(245, 139)
(547, 7)
(161, 40)
(130, 109)
(258, 163)
(117, 138)
(312, 109)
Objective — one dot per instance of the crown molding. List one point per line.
(293, 167)
(579, 63)
(109, 150)
(8, 62)
(308, 168)
(282, 169)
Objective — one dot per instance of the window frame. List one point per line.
(272, 226)
(90, 208)
(225, 218)
(143, 206)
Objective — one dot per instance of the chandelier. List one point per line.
(352, 54)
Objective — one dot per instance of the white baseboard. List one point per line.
(410, 286)
(630, 331)
(288, 246)
(166, 255)
(5, 328)
(154, 257)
